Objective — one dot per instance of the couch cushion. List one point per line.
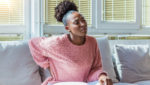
(16, 64)
(133, 62)
(106, 57)
(97, 83)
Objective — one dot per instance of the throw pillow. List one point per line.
(16, 64)
(133, 62)
(107, 62)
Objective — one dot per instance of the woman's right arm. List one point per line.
(38, 53)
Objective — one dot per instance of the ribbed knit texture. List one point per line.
(67, 62)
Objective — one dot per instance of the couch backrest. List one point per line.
(16, 64)
(18, 68)
(112, 43)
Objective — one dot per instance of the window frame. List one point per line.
(19, 29)
(117, 25)
(145, 27)
(100, 27)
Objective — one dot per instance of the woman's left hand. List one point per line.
(105, 80)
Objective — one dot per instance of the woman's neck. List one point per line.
(77, 40)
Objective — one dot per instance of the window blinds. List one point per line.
(84, 7)
(11, 12)
(119, 10)
(146, 12)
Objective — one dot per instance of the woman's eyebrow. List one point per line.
(76, 19)
(82, 17)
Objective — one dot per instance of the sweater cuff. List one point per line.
(103, 73)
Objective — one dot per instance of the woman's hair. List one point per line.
(63, 7)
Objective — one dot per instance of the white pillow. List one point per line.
(16, 65)
(107, 63)
(133, 62)
(77, 83)
(71, 83)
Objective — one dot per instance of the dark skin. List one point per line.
(77, 28)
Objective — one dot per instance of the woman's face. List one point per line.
(76, 24)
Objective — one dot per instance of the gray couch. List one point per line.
(18, 68)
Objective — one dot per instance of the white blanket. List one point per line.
(77, 83)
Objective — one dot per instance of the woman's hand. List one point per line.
(105, 80)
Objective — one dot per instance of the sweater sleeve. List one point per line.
(96, 68)
(38, 53)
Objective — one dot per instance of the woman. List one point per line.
(70, 57)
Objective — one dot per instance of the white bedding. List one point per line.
(77, 83)
(96, 83)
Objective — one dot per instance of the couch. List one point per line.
(126, 61)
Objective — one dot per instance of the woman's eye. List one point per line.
(76, 22)
(83, 20)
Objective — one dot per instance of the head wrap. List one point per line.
(64, 20)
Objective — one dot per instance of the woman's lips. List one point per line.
(83, 30)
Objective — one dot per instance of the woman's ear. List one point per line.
(67, 28)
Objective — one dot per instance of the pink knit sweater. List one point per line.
(67, 62)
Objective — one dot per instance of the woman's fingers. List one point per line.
(102, 82)
(105, 80)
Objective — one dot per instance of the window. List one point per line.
(14, 19)
(105, 16)
(123, 16)
(146, 13)
(84, 7)
(119, 10)
(11, 12)
(117, 15)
